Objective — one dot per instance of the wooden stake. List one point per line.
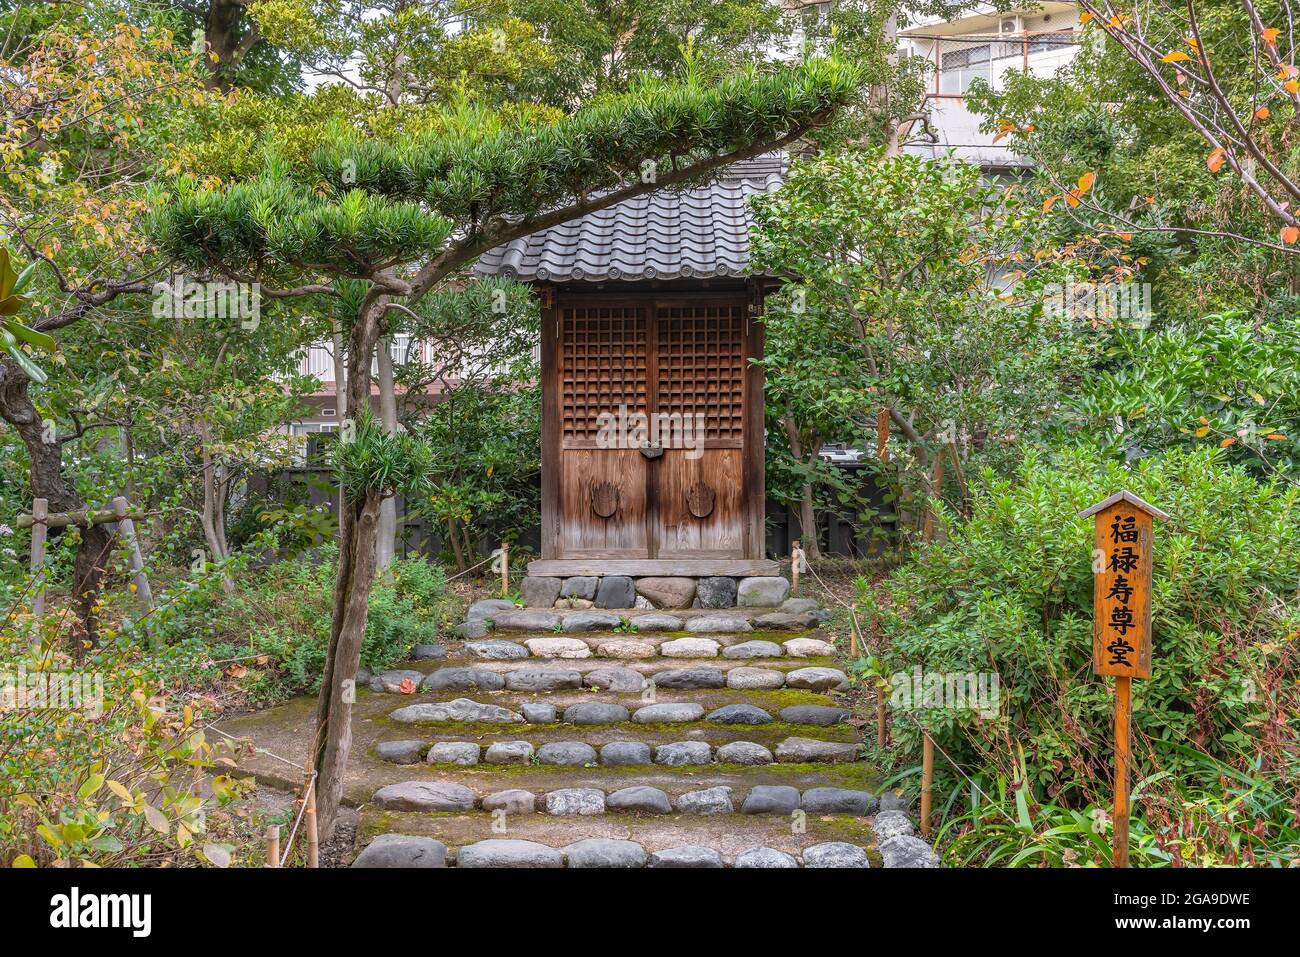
(882, 435)
(126, 525)
(40, 511)
(927, 780)
(273, 846)
(505, 569)
(1123, 706)
(313, 839)
(796, 559)
(853, 630)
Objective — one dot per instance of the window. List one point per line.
(957, 68)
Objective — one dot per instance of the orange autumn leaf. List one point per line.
(1174, 56)
(1086, 16)
(1230, 440)
(1051, 201)
(1262, 113)
(1215, 160)
(407, 686)
(1072, 198)
(236, 671)
(1270, 36)
(1086, 181)
(1275, 437)
(1290, 234)
(1292, 86)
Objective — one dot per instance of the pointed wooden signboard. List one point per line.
(1122, 559)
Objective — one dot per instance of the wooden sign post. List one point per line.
(1122, 560)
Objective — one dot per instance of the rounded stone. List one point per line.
(755, 678)
(512, 801)
(575, 802)
(615, 679)
(753, 649)
(639, 800)
(835, 854)
(658, 622)
(716, 592)
(424, 796)
(667, 592)
(625, 752)
(496, 650)
(474, 628)
(428, 652)
(509, 752)
(488, 608)
(526, 619)
(535, 713)
(595, 712)
(591, 621)
(762, 591)
(464, 679)
(625, 648)
(461, 709)
(401, 752)
(580, 586)
(542, 679)
(689, 856)
(784, 621)
(804, 750)
(540, 592)
(723, 624)
(402, 850)
(740, 714)
(767, 857)
(895, 800)
(799, 606)
(771, 799)
(817, 679)
(453, 752)
(838, 801)
(818, 714)
(889, 824)
(670, 713)
(744, 752)
(615, 591)
(808, 648)
(908, 851)
(705, 801)
(509, 853)
(566, 753)
(605, 852)
(689, 648)
(558, 647)
(390, 681)
(703, 676)
(681, 753)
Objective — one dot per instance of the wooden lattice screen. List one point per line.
(702, 366)
(603, 358)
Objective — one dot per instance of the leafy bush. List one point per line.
(1010, 592)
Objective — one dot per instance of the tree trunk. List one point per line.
(387, 532)
(807, 515)
(47, 482)
(227, 37)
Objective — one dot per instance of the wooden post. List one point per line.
(796, 559)
(927, 779)
(1123, 705)
(505, 569)
(313, 838)
(853, 630)
(273, 846)
(40, 511)
(126, 525)
(882, 435)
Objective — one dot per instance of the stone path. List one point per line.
(585, 745)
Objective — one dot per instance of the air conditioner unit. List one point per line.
(1009, 25)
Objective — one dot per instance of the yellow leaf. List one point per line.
(1215, 160)
(1270, 36)
(1086, 181)
(1174, 57)
(1292, 86)
(1202, 433)
(23, 860)
(1230, 440)
(1086, 16)
(157, 820)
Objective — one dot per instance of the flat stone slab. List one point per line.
(402, 850)
(625, 752)
(558, 647)
(425, 796)
(818, 714)
(766, 857)
(540, 592)
(390, 681)
(744, 752)
(753, 649)
(615, 679)
(817, 679)
(808, 648)
(509, 752)
(575, 802)
(509, 853)
(740, 714)
(543, 679)
(463, 679)
(686, 857)
(658, 622)
(701, 676)
(762, 591)
(537, 713)
(580, 586)
(591, 621)
(755, 678)
(771, 799)
(461, 709)
(595, 712)
(526, 619)
(681, 753)
(489, 608)
(668, 713)
(808, 750)
(889, 824)
(604, 852)
(725, 624)
(838, 801)
(835, 854)
(639, 800)
(464, 753)
(667, 592)
(705, 801)
(566, 753)
(799, 606)
(401, 752)
(689, 648)
(625, 648)
(908, 851)
(512, 801)
(428, 652)
(785, 621)
(496, 650)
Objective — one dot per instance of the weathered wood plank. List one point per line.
(735, 567)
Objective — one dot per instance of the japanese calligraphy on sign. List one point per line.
(1121, 643)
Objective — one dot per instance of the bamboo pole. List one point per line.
(505, 569)
(927, 780)
(1123, 705)
(313, 838)
(40, 511)
(273, 846)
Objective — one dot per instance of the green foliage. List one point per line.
(376, 462)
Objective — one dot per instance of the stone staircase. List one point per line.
(700, 738)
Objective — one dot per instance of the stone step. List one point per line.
(537, 839)
(639, 646)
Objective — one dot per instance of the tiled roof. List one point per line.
(698, 232)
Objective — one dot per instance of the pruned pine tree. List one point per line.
(405, 217)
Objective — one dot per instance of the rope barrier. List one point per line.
(471, 568)
(293, 832)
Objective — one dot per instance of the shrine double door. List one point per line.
(652, 427)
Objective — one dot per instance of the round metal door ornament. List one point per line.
(699, 499)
